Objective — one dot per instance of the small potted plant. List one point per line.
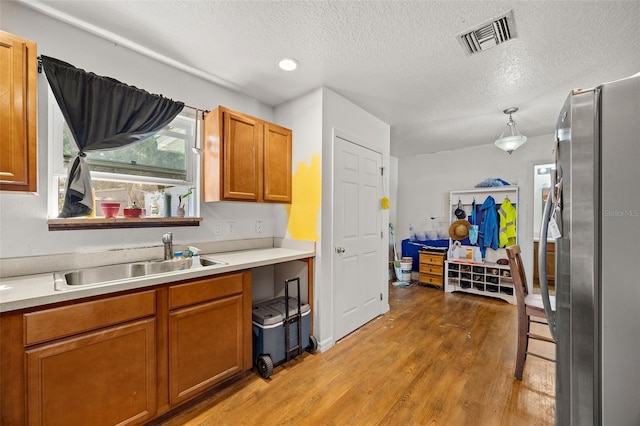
(134, 209)
(180, 211)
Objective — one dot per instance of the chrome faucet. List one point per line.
(167, 240)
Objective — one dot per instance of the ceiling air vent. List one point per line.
(488, 35)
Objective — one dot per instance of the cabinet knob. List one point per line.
(340, 250)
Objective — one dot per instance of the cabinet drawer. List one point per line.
(430, 279)
(203, 290)
(433, 259)
(430, 269)
(73, 319)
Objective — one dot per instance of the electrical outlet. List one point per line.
(217, 228)
(231, 228)
(259, 227)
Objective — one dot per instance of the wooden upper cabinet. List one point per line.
(240, 153)
(245, 158)
(18, 81)
(277, 163)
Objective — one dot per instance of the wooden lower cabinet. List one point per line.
(124, 359)
(205, 346)
(209, 333)
(104, 378)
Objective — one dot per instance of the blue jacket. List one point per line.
(488, 230)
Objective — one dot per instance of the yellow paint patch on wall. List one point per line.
(303, 212)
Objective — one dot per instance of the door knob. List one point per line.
(340, 250)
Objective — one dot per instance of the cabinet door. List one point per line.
(277, 163)
(242, 140)
(102, 378)
(551, 263)
(18, 79)
(205, 346)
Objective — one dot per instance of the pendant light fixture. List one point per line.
(511, 138)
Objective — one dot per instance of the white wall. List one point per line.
(392, 181)
(424, 183)
(23, 221)
(342, 116)
(314, 119)
(304, 117)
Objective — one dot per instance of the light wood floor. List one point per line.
(434, 359)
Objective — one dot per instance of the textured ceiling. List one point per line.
(399, 60)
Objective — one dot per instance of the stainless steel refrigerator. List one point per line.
(595, 204)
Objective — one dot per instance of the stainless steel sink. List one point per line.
(104, 274)
(210, 262)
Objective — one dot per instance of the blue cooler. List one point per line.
(270, 324)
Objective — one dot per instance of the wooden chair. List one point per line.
(530, 309)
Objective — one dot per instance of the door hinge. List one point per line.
(381, 234)
(380, 296)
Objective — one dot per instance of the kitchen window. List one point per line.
(152, 173)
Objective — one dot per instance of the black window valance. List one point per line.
(102, 113)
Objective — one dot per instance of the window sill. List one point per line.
(121, 222)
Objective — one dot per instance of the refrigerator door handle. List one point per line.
(542, 265)
(554, 188)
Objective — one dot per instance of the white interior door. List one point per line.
(357, 237)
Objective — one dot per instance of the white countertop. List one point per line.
(36, 290)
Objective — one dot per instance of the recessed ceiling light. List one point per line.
(288, 64)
